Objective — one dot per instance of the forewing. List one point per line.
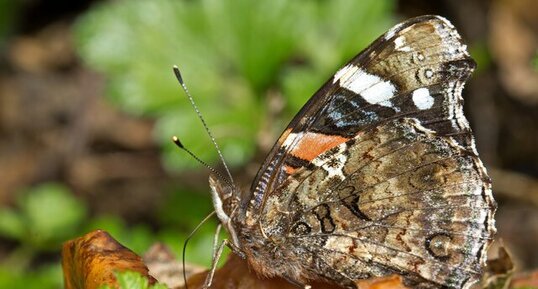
(417, 69)
(397, 198)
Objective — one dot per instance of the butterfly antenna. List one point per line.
(187, 241)
(178, 143)
(180, 79)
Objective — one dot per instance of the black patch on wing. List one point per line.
(296, 162)
(344, 115)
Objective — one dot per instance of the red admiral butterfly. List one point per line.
(377, 174)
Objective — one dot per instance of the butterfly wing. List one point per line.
(378, 173)
(417, 69)
(396, 199)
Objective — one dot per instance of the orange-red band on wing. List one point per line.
(313, 144)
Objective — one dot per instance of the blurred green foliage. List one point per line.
(133, 280)
(480, 53)
(232, 54)
(42, 277)
(45, 216)
(190, 202)
(8, 17)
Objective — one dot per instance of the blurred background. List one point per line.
(88, 104)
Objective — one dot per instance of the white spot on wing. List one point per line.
(428, 73)
(422, 98)
(371, 87)
(400, 44)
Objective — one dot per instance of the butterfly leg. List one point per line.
(216, 241)
(217, 253)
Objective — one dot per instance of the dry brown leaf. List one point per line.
(165, 267)
(528, 280)
(499, 270)
(91, 261)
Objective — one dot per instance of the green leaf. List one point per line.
(43, 277)
(11, 224)
(47, 215)
(51, 214)
(131, 280)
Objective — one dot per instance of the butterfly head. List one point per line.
(225, 203)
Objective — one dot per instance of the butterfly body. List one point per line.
(376, 175)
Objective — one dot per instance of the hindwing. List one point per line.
(397, 198)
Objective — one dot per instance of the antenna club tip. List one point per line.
(176, 140)
(178, 74)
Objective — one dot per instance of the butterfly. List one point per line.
(377, 174)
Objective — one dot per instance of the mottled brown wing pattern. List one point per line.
(378, 173)
(417, 69)
(395, 199)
